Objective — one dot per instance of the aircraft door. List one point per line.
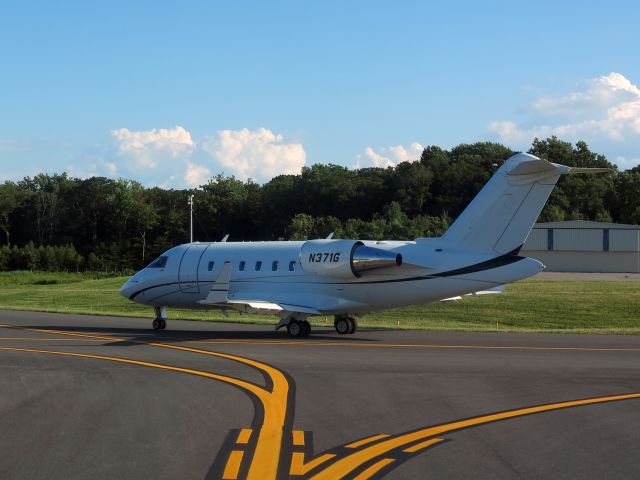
(188, 273)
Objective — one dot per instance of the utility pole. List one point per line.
(191, 218)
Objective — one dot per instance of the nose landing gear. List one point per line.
(160, 322)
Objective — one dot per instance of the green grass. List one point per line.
(531, 306)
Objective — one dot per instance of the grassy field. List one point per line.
(531, 305)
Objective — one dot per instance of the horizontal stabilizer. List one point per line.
(488, 291)
(537, 166)
(578, 170)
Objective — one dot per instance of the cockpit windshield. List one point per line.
(159, 262)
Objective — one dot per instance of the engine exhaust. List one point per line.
(365, 259)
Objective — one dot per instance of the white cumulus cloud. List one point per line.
(599, 95)
(605, 111)
(154, 157)
(196, 175)
(389, 156)
(172, 157)
(258, 154)
(627, 163)
(151, 148)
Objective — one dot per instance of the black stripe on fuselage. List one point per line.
(497, 262)
(134, 295)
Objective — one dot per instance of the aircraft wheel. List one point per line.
(157, 324)
(163, 324)
(353, 325)
(342, 325)
(296, 329)
(307, 328)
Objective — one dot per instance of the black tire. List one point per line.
(353, 325)
(163, 324)
(295, 328)
(307, 328)
(342, 325)
(157, 324)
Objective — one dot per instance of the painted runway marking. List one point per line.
(56, 339)
(272, 449)
(303, 343)
(273, 398)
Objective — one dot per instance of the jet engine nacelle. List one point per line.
(345, 258)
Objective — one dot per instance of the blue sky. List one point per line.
(170, 93)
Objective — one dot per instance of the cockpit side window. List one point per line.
(159, 262)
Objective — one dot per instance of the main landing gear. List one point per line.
(160, 322)
(345, 325)
(297, 325)
(298, 328)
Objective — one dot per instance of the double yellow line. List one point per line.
(274, 401)
(365, 458)
(349, 463)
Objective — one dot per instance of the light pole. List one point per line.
(191, 218)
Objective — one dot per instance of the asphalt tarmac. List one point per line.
(105, 397)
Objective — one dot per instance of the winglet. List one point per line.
(219, 288)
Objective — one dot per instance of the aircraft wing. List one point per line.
(260, 306)
(218, 297)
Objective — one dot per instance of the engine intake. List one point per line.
(345, 258)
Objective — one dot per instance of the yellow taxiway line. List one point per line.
(347, 464)
(266, 457)
(375, 451)
(304, 343)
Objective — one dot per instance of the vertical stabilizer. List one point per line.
(501, 216)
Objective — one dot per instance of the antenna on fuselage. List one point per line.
(224, 239)
(330, 236)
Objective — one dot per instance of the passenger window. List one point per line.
(211, 264)
(292, 265)
(159, 262)
(274, 266)
(242, 264)
(258, 265)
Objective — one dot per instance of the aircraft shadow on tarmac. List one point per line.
(132, 336)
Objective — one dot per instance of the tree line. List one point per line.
(56, 222)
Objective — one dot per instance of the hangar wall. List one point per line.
(582, 246)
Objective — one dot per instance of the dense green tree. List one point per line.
(60, 223)
(627, 187)
(8, 203)
(577, 196)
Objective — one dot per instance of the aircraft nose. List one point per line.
(128, 288)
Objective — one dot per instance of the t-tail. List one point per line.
(501, 216)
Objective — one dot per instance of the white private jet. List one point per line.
(349, 278)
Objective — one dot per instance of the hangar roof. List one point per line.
(585, 224)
